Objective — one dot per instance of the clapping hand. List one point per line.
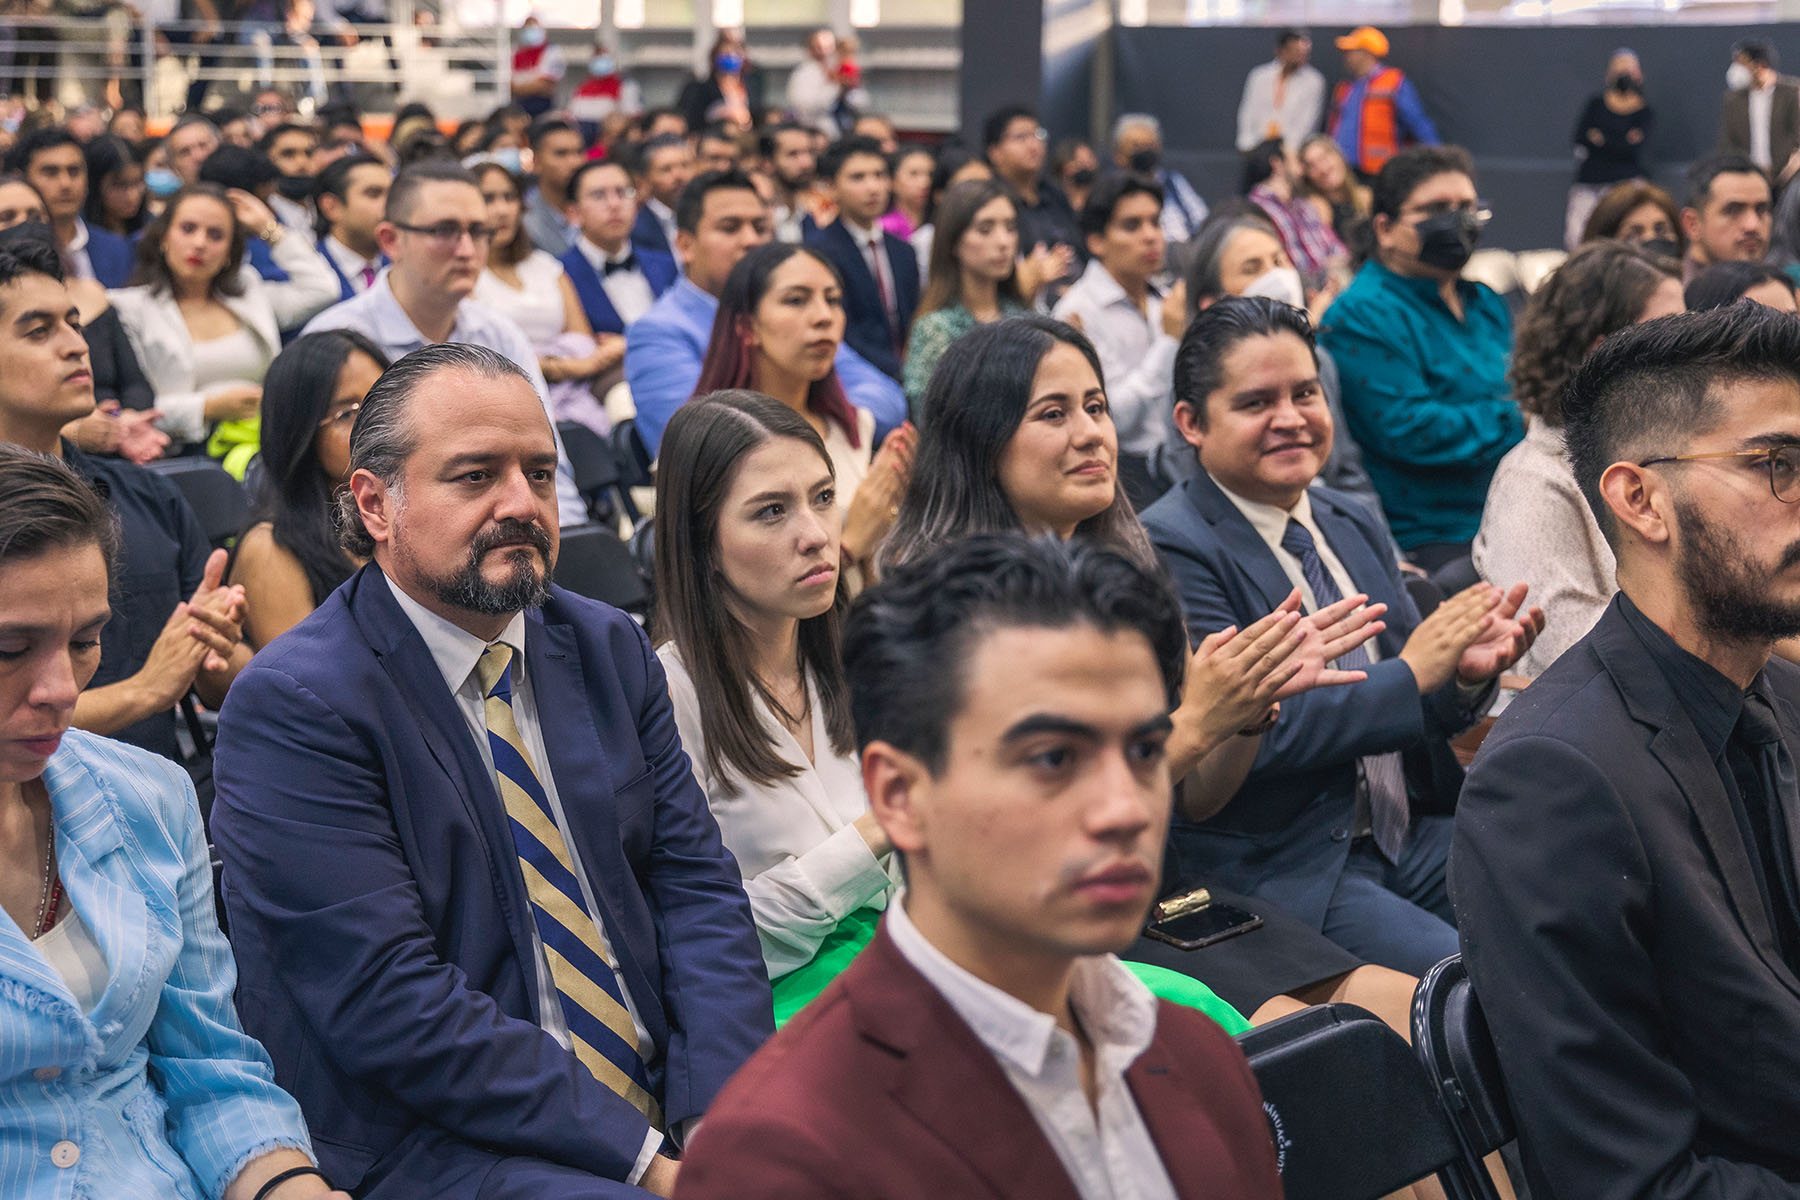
(1504, 641)
(217, 614)
(1327, 635)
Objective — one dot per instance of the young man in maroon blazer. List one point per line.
(1011, 700)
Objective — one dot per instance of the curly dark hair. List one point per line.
(1602, 288)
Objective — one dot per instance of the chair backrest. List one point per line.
(593, 562)
(1451, 1037)
(1353, 1114)
(633, 455)
(218, 500)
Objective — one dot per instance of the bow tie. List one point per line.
(628, 263)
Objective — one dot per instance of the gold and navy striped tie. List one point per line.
(600, 1026)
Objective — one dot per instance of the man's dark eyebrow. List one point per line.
(1771, 441)
(1041, 723)
(42, 314)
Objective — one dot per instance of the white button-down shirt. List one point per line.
(351, 264)
(1762, 104)
(1270, 524)
(629, 291)
(1296, 113)
(1104, 1147)
(1136, 354)
(456, 653)
(76, 253)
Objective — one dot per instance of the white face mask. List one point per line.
(1279, 283)
(1738, 77)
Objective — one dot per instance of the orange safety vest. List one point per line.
(1378, 133)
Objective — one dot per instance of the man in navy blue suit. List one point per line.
(52, 161)
(665, 165)
(616, 281)
(881, 273)
(483, 919)
(1337, 812)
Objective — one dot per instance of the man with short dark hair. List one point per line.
(291, 148)
(435, 233)
(665, 165)
(717, 148)
(1729, 215)
(788, 149)
(52, 161)
(483, 919)
(880, 273)
(1011, 701)
(1335, 813)
(1283, 98)
(1014, 142)
(1760, 119)
(1624, 868)
(721, 218)
(556, 152)
(352, 200)
(615, 281)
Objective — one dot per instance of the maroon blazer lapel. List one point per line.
(1204, 1114)
(948, 1081)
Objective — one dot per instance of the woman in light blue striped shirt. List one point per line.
(123, 1069)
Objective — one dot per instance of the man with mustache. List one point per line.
(1336, 812)
(1624, 870)
(1011, 700)
(483, 918)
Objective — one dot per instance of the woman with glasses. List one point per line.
(205, 326)
(1422, 355)
(289, 559)
(1537, 525)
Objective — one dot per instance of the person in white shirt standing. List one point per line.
(1135, 328)
(813, 89)
(1283, 98)
(1011, 700)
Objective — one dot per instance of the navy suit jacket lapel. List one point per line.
(1350, 543)
(414, 673)
(591, 290)
(1242, 543)
(647, 232)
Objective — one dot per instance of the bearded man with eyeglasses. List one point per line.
(1624, 868)
(436, 233)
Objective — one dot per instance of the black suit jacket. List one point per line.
(866, 325)
(1648, 1030)
(1784, 123)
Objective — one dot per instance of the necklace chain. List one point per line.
(50, 897)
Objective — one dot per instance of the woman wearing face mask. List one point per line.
(603, 92)
(1240, 254)
(1609, 140)
(1537, 527)
(205, 326)
(780, 321)
(1422, 354)
(537, 69)
(730, 91)
(1640, 213)
(972, 279)
(1075, 166)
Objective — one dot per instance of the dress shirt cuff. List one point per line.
(843, 872)
(653, 1141)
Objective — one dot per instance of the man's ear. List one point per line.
(387, 236)
(1690, 224)
(376, 504)
(1187, 424)
(684, 246)
(1639, 502)
(898, 787)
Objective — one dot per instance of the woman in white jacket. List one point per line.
(204, 325)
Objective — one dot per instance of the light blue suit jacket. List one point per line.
(159, 1088)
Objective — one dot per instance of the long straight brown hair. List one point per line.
(705, 442)
(956, 211)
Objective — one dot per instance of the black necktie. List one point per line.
(1770, 791)
(628, 263)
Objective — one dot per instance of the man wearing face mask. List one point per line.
(537, 69)
(290, 147)
(1311, 245)
(1138, 147)
(1610, 139)
(1761, 116)
(1422, 353)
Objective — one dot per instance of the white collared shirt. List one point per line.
(629, 291)
(1762, 104)
(456, 653)
(1270, 524)
(1296, 113)
(1136, 354)
(75, 253)
(1105, 1147)
(869, 245)
(665, 216)
(351, 264)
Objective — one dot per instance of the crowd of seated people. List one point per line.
(1021, 556)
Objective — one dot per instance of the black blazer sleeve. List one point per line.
(117, 373)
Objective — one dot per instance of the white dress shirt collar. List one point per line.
(598, 258)
(349, 261)
(455, 650)
(1107, 292)
(1270, 521)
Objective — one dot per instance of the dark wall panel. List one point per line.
(1511, 96)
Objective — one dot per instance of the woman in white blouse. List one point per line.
(750, 598)
(205, 326)
(531, 287)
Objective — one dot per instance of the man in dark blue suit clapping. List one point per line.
(483, 919)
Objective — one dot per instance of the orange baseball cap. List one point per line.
(1365, 37)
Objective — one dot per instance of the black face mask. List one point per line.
(1145, 162)
(295, 187)
(1082, 177)
(1625, 85)
(1447, 240)
(1667, 247)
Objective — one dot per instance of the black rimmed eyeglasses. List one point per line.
(1783, 463)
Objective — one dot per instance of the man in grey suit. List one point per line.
(1624, 868)
(1761, 117)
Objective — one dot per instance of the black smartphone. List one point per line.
(1204, 926)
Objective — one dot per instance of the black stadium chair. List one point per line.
(593, 562)
(1451, 1038)
(596, 469)
(1353, 1113)
(218, 500)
